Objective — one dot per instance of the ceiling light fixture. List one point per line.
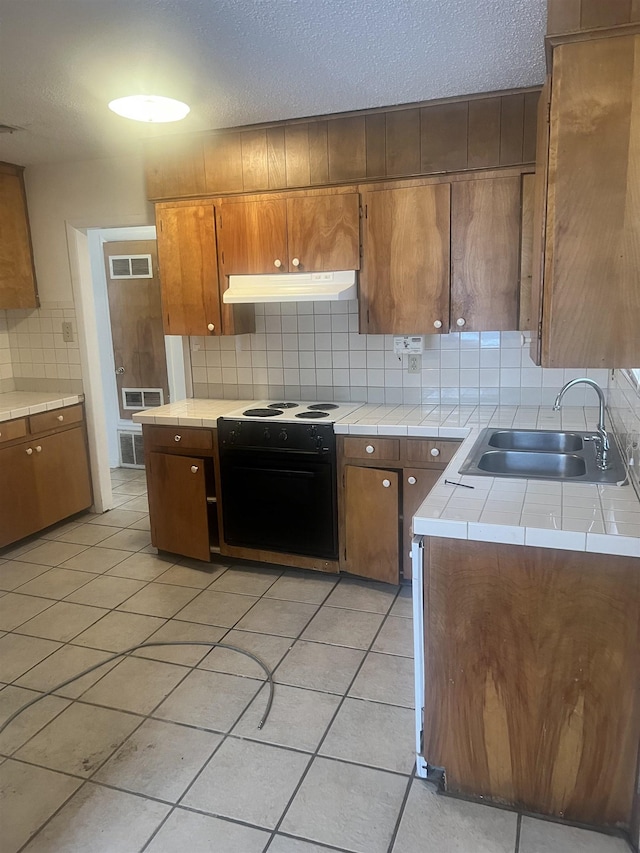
(149, 108)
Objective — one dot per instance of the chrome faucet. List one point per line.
(602, 438)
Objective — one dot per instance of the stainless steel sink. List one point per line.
(541, 455)
(542, 439)
(522, 463)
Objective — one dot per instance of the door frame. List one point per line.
(89, 285)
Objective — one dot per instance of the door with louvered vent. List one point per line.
(135, 311)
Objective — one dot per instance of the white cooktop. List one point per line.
(293, 411)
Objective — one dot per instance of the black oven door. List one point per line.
(280, 502)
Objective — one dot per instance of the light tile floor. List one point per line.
(160, 751)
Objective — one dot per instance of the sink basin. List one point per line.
(542, 455)
(547, 440)
(522, 463)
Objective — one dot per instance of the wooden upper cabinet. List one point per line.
(591, 291)
(253, 237)
(188, 270)
(312, 233)
(404, 283)
(17, 275)
(323, 232)
(485, 241)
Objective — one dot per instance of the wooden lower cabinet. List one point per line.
(532, 677)
(381, 483)
(371, 528)
(177, 488)
(182, 485)
(44, 478)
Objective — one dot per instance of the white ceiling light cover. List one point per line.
(149, 108)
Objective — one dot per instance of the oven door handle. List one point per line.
(287, 472)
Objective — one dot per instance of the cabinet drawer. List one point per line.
(9, 430)
(437, 452)
(371, 447)
(178, 437)
(55, 418)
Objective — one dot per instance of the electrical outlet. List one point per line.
(414, 363)
(67, 331)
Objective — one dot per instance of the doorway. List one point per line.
(130, 336)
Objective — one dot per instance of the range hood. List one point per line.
(292, 287)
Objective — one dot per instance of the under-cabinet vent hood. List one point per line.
(292, 287)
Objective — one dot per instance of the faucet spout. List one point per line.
(602, 432)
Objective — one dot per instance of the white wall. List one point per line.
(100, 193)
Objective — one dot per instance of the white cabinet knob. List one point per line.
(60, 418)
(411, 481)
(386, 483)
(370, 448)
(194, 469)
(437, 324)
(460, 321)
(295, 262)
(38, 449)
(29, 451)
(177, 437)
(277, 263)
(210, 326)
(434, 451)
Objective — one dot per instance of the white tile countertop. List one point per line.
(19, 404)
(570, 516)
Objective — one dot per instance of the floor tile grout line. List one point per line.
(518, 831)
(405, 799)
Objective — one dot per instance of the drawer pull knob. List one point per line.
(460, 321)
(277, 263)
(434, 451)
(38, 449)
(386, 483)
(29, 451)
(60, 418)
(210, 326)
(194, 469)
(437, 324)
(411, 481)
(370, 448)
(295, 262)
(177, 437)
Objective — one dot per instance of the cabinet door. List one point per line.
(404, 284)
(17, 276)
(372, 523)
(591, 304)
(324, 233)
(485, 252)
(178, 504)
(252, 237)
(63, 482)
(188, 270)
(18, 504)
(416, 485)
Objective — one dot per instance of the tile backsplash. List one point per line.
(313, 351)
(624, 407)
(6, 366)
(39, 359)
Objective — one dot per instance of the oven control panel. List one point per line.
(246, 434)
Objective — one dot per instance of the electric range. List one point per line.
(292, 411)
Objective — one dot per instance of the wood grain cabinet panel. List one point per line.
(188, 270)
(177, 488)
(253, 237)
(404, 283)
(591, 297)
(44, 476)
(17, 274)
(485, 239)
(371, 523)
(532, 662)
(323, 232)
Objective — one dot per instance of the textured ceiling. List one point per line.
(244, 61)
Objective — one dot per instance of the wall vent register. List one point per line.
(130, 266)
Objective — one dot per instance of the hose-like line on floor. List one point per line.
(89, 669)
